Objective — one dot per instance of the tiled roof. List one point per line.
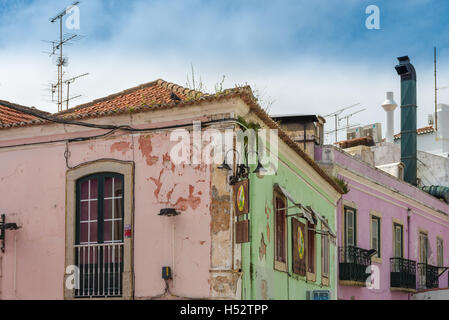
(146, 96)
(157, 95)
(9, 116)
(363, 141)
(424, 130)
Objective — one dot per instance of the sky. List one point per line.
(303, 57)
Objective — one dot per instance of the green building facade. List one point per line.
(273, 268)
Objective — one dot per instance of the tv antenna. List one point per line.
(436, 87)
(56, 48)
(68, 82)
(349, 116)
(335, 114)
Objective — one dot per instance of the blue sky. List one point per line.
(308, 56)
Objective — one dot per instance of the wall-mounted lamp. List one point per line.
(169, 212)
(6, 226)
(242, 169)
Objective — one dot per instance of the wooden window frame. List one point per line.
(345, 207)
(376, 216)
(400, 224)
(278, 264)
(422, 232)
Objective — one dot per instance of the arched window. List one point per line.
(99, 234)
(99, 212)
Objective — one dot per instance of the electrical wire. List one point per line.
(51, 118)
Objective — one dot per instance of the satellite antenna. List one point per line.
(56, 48)
(335, 114)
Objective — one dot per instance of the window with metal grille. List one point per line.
(99, 235)
(280, 225)
(375, 235)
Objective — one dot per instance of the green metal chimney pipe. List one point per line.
(408, 118)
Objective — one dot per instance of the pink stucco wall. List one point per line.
(369, 199)
(32, 188)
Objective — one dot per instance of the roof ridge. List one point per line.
(108, 97)
(419, 131)
(176, 88)
(3, 102)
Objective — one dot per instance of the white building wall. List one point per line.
(437, 144)
(432, 169)
(437, 294)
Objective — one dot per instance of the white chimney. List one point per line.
(389, 105)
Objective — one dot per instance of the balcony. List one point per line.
(100, 270)
(353, 263)
(402, 274)
(427, 276)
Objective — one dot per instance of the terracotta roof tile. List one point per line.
(156, 95)
(419, 131)
(9, 116)
(148, 95)
(363, 141)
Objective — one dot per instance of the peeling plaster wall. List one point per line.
(197, 244)
(225, 254)
(34, 181)
(260, 279)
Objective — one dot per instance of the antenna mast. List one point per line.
(436, 88)
(335, 115)
(68, 82)
(58, 45)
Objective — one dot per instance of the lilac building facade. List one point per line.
(408, 228)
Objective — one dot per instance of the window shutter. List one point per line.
(280, 230)
(310, 248)
(298, 247)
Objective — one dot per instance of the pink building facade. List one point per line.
(408, 228)
(91, 198)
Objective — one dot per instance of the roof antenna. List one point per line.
(62, 61)
(335, 115)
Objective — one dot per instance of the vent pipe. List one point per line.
(408, 118)
(389, 106)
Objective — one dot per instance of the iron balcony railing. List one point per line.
(402, 273)
(427, 276)
(100, 270)
(353, 263)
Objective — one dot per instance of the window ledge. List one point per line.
(351, 283)
(325, 281)
(311, 276)
(280, 266)
(403, 289)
